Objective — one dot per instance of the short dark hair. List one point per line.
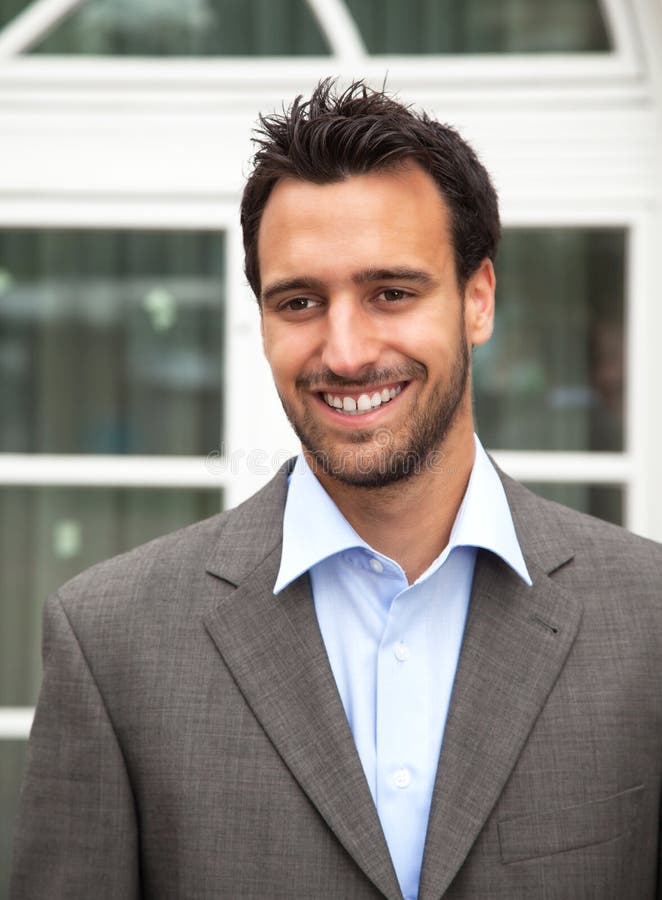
(334, 135)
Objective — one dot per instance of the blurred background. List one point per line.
(133, 395)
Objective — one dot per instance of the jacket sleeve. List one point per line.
(76, 832)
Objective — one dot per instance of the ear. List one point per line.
(479, 304)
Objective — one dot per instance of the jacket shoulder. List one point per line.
(602, 559)
(176, 563)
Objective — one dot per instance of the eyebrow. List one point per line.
(400, 273)
(365, 276)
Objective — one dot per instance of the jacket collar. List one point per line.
(255, 528)
(315, 529)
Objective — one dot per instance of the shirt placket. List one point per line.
(402, 738)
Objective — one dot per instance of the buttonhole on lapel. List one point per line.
(553, 629)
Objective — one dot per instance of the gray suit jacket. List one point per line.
(189, 740)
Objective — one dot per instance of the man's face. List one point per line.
(363, 325)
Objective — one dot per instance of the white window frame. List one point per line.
(99, 101)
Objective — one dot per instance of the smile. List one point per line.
(356, 405)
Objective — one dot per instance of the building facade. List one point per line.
(133, 394)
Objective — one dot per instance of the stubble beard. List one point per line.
(380, 458)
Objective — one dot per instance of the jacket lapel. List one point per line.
(516, 641)
(273, 647)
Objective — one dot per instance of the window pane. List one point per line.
(8, 10)
(553, 375)
(12, 764)
(47, 535)
(194, 28)
(110, 342)
(603, 501)
(480, 26)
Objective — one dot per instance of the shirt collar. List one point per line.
(315, 529)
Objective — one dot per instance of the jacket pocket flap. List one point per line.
(542, 834)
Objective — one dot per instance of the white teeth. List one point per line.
(365, 402)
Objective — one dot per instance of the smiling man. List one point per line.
(394, 672)
(368, 334)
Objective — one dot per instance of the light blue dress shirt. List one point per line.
(394, 647)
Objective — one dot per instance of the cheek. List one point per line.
(283, 354)
(427, 341)
(279, 365)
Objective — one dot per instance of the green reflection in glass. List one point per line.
(552, 377)
(480, 26)
(11, 8)
(194, 28)
(603, 501)
(49, 534)
(111, 341)
(12, 766)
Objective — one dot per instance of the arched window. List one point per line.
(133, 393)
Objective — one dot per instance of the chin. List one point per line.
(378, 469)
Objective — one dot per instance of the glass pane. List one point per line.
(49, 534)
(480, 26)
(194, 28)
(603, 501)
(12, 764)
(553, 375)
(111, 341)
(9, 9)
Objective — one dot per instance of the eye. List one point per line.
(393, 295)
(298, 304)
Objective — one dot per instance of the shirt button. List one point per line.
(376, 565)
(402, 778)
(402, 652)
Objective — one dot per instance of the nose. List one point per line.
(351, 340)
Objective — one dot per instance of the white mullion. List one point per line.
(635, 367)
(253, 80)
(568, 213)
(15, 722)
(240, 338)
(644, 370)
(646, 17)
(96, 211)
(340, 29)
(565, 467)
(203, 472)
(33, 24)
(620, 29)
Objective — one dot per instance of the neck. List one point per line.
(410, 521)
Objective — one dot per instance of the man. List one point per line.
(393, 672)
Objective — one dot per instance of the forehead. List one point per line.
(362, 220)
(406, 181)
